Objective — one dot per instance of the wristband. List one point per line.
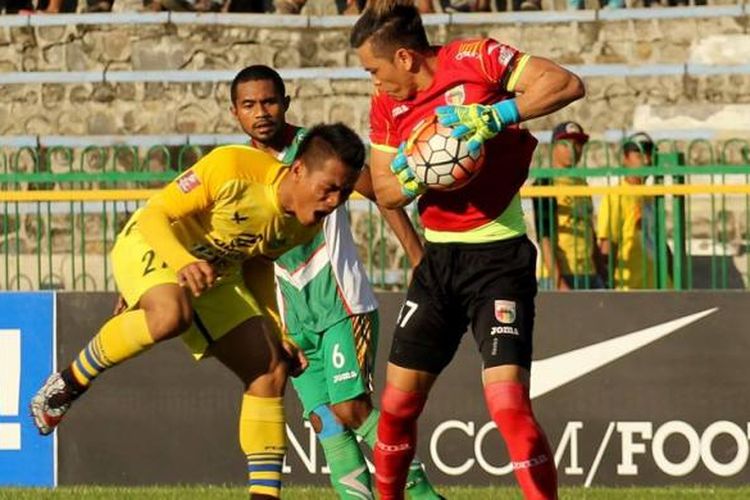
(508, 111)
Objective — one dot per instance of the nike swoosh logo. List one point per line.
(550, 373)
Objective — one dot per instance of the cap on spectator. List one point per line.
(640, 142)
(569, 130)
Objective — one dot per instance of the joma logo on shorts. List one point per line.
(499, 330)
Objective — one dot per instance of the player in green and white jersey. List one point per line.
(327, 304)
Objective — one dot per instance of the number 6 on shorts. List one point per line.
(338, 358)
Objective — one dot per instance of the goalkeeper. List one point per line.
(327, 303)
(478, 264)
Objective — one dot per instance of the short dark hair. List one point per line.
(255, 73)
(640, 142)
(336, 139)
(390, 25)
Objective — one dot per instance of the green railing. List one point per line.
(695, 239)
(693, 234)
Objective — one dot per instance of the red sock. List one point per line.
(397, 439)
(533, 462)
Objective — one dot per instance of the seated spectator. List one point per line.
(194, 5)
(171, 5)
(251, 6)
(350, 7)
(486, 6)
(43, 6)
(581, 4)
(16, 6)
(288, 6)
(57, 6)
(564, 224)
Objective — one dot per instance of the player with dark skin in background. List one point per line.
(326, 302)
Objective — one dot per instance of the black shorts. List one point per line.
(489, 285)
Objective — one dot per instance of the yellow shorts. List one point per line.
(216, 312)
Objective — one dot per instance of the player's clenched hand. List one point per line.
(476, 122)
(295, 357)
(410, 186)
(198, 276)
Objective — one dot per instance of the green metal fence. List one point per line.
(693, 235)
(698, 239)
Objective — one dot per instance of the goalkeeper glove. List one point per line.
(410, 186)
(478, 122)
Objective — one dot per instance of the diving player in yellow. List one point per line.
(177, 264)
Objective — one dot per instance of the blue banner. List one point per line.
(27, 335)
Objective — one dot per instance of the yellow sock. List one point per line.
(263, 439)
(121, 338)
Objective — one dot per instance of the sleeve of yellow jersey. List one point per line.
(192, 192)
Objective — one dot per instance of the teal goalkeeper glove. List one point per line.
(410, 186)
(477, 121)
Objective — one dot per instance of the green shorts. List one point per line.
(341, 358)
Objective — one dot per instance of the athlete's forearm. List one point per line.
(156, 228)
(405, 232)
(385, 184)
(364, 184)
(544, 87)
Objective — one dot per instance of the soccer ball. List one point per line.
(438, 160)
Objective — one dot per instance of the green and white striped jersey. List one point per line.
(323, 281)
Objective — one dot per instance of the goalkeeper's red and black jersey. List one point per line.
(468, 72)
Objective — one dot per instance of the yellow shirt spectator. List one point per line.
(626, 221)
(572, 232)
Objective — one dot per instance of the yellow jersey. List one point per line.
(627, 221)
(568, 222)
(223, 210)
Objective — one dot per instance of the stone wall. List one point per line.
(170, 108)
(165, 108)
(170, 46)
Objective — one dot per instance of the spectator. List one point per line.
(612, 4)
(194, 5)
(57, 6)
(178, 5)
(564, 224)
(350, 7)
(106, 5)
(626, 224)
(486, 6)
(16, 6)
(355, 7)
(288, 6)
(45, 6)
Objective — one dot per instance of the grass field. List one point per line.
(300, 493)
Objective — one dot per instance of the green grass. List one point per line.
(310, 493)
